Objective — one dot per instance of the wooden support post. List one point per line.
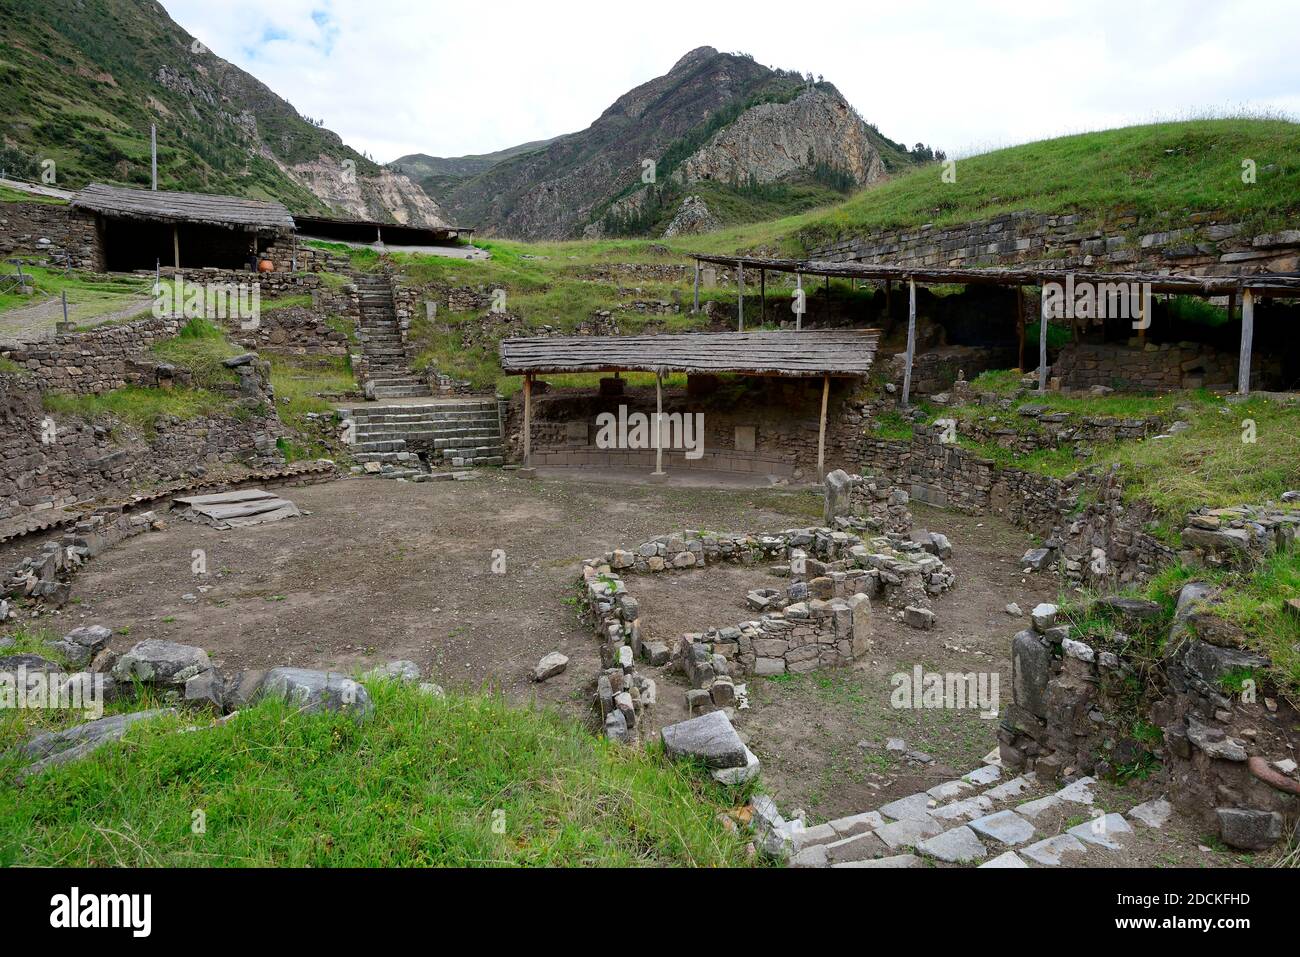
(176, 245)
(821, 431)
(1042, 346)
(1020, 328)
(697, 287)
(762, 296)
(889, 299)
(911, 342)
(1247, 339)
(528, 420)
(798, 287)
(659, 423)
(740, 299)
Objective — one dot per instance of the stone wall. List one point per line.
(49, 229)
(105, 358)
(83, 461)
(1165, 367)
(1203, 247)
(768, 428)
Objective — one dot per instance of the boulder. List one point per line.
(163, 663)
(60, 747)
(1036, 559)
(82, 644)
(837, 486)
(1031, 670)
(550, 666)
(1249, 830)
(1132, 609)
(709, 738)
(1043, 616)
(313, 691)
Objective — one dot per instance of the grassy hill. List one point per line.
(81, 83)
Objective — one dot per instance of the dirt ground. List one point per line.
(378, 570)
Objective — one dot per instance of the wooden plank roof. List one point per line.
(839, 353)
(231, 212)
(1277, 284)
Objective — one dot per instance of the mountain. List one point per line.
(721, 130)
(82, 80)
(439, 176)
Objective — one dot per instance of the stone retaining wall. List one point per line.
(105, 358)
(49, 229)
(1203, 247)
(1166, 367)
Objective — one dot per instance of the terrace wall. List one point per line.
(49, 229)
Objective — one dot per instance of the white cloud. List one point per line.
(395, 77)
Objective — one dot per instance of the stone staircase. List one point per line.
(980, 819)
(382, 342)
(443, 433)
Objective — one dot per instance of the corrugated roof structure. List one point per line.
(839, 353)
(230, 212)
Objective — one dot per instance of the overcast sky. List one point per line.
(449, 79)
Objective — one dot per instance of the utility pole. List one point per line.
(153, 150)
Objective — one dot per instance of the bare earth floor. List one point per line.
(378, 570)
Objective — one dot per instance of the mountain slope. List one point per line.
(439, 176)
(82, 80)
(574, 183)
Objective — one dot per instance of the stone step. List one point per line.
(403, 392)
(441, 438)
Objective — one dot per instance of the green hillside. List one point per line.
(81, 84)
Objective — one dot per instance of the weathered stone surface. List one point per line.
(161, 662)
(921, 618)
(958, 845)
(60, 747)
(837, 486)
(1007, 859)
(82, 644)
(908, 833)
(896, 860)
(857, 824)
(739, 775)
(814, 856)
(550, 666)
(406, 671)
(1053, 850)
(914, 807)
(1214, 741)
(859, 847)
(616, 726)
(1106, 830)
(983, 776)
(1249, 830)
(1044, 616)
(1153, 813)
(709, 738)
(1009, 789)
(1006, 827)
(313, 691)
(1031, 670)
(1036, 559)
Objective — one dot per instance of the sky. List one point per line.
(451, 79)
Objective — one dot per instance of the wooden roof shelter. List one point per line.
(823, 354)
(166, 206)
(1248, 287)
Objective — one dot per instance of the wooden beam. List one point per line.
(762, 296)
(821, 431)
(1247, 340)
(176, 245)
(528, 421)
(740, 299)
(697, 287)
(798, 285)
(911, 342)
(659, 423)
(1042, 345)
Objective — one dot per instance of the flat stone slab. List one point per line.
(897, 860)
(814, 856)
(1080, 792)
(1005, 827)
(1013, 788)
(1153, 813)
(985, 775)
(915, 807)
(908, 833)
(710, 738)
(1009, 859)
(956, 846)
(1036, 809)
(1103, 831)
(948, 790)
(735, 776)
(857, 824)
(802, 837)
(860, 847)
(966, 808)
(1052, 851)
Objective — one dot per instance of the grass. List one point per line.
(10, 195)
(201, 348)
(1154, 173)
(89, 295)
(137, 406)
(301, 386)
(461, 781)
